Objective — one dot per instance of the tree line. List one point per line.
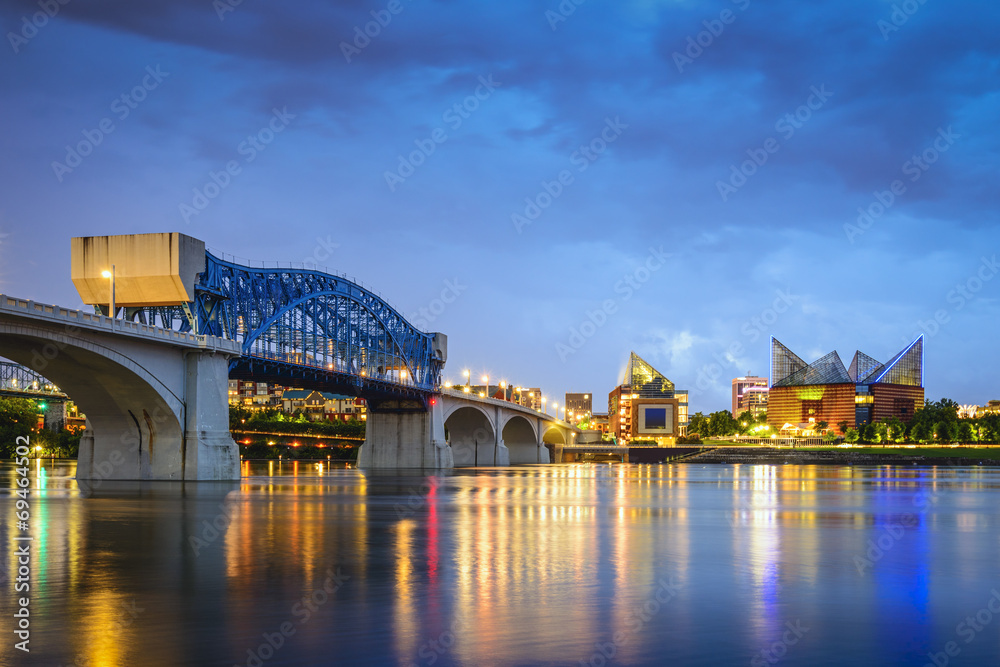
(935, 422)
(273, 420)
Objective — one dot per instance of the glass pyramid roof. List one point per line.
(646, 380)
(906, 368)
(862, 366)
(825, 370)
(784, 362)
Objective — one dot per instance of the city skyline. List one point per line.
(688, 206)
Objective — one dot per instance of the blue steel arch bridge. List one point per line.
(22, 382)
(307, 328)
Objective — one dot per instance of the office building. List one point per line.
(740, 385)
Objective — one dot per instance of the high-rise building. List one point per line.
(646, 406)
(578, 407)
(826, 391)
(754, 401)
(530, 397)
(740, 385)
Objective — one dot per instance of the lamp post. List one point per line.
(111, 304)
(466, 372)
(486, 385)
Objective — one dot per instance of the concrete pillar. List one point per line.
(406, 440)
(55, 416)
(209, 452)
(543, 453)
(501, 455)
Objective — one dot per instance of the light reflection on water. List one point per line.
(523, 565)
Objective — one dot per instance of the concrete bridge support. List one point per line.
(405, 439)
(457, 430)
(156, 400)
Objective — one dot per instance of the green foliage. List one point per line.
(851, 435)
(698, 423)
(965, 433)
(944, 431)
(18, 418)
(921, 432)
(273, 421)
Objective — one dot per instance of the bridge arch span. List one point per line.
(137, 417)
(521, 438)
(554, 435)
(472, 435)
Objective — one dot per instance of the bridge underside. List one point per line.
(373, 390)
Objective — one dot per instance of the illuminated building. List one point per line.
(740, 386)
(646, 406)
(578, 407)
(753, 400)
(868, 391)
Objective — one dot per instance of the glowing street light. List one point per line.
(111, 304)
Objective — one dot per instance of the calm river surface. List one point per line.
(301, 564)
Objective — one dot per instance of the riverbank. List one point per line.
(927, 456)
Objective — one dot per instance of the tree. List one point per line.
(895, 429)
(698, 423)
(944, 431)
(721, 423)
(964, 432)
(851, 435)
(842, 425)
(921, 432)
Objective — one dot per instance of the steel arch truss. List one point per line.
(296, 324)
(16, 379)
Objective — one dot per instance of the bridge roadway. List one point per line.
(156, 400)
(459, 430)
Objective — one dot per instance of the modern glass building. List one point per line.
(827, 391)
(646, 406)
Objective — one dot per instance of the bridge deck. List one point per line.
(26, 309)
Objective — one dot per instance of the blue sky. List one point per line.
(682, 179)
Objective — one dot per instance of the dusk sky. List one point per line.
(682, 179)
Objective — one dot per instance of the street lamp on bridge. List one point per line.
(111, 304)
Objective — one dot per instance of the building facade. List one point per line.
(740, 386)
(803, 395)
(254, 395)
(754, 401)
(646, 406)
(579, 407)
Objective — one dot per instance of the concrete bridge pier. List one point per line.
(209, 450)
(398, 434)
(134, 437)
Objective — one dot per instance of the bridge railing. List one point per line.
(70, 317)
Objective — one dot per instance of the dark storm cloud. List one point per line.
(891, 92)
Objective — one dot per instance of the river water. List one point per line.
(306, 564)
